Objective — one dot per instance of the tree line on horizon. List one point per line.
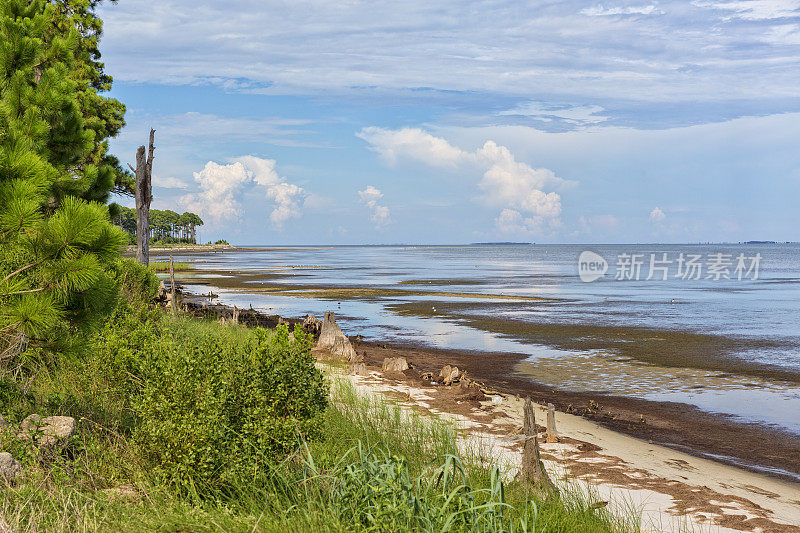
(164, 225)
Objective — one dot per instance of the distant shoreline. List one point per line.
(186, 248)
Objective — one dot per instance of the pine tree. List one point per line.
(99, 172)
(57, 250)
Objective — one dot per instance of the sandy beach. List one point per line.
(667, 489)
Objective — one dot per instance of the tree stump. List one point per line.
(532, 466)
(552, 434)
(330, 332)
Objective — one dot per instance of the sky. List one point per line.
(444, 122)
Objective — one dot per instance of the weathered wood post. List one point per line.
(532, 466)
(173, 302)
(235, 315)
(552, 433)
(144, 174)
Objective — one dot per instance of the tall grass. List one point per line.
(163, 266)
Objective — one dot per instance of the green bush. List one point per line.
(137, 282)
(216, 412)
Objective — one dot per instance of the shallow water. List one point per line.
(729, 346)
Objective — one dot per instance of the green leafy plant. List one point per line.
(215, 411)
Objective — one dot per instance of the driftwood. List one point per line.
(144, 195)
(552, 433)
(532, 466)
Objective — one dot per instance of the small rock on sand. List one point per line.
(395, 364)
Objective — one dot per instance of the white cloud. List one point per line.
(574, 115)
(169, 182)
(757, 9)
(509, 221)
(784, 35)
(601, 11)
(221, 186)
(657, 215)
(379, 214)
(618, 52)
(412, 143)
(506, 183)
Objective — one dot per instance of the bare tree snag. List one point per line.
(532, 466)
(552, 433)
(173, 302)
(144, 174)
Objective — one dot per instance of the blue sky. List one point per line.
(312, 122)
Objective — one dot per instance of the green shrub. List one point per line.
(216, 413)
(137, 281)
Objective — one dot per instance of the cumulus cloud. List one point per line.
(412, 143)
(506, 183)
(221, 186)
(657, 215)
(512, 221)
(379, 214)
(601, 11)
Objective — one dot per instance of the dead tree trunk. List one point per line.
(144, 174)
(174, 302)
(532, 466)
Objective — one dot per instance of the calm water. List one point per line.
(757, 310)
